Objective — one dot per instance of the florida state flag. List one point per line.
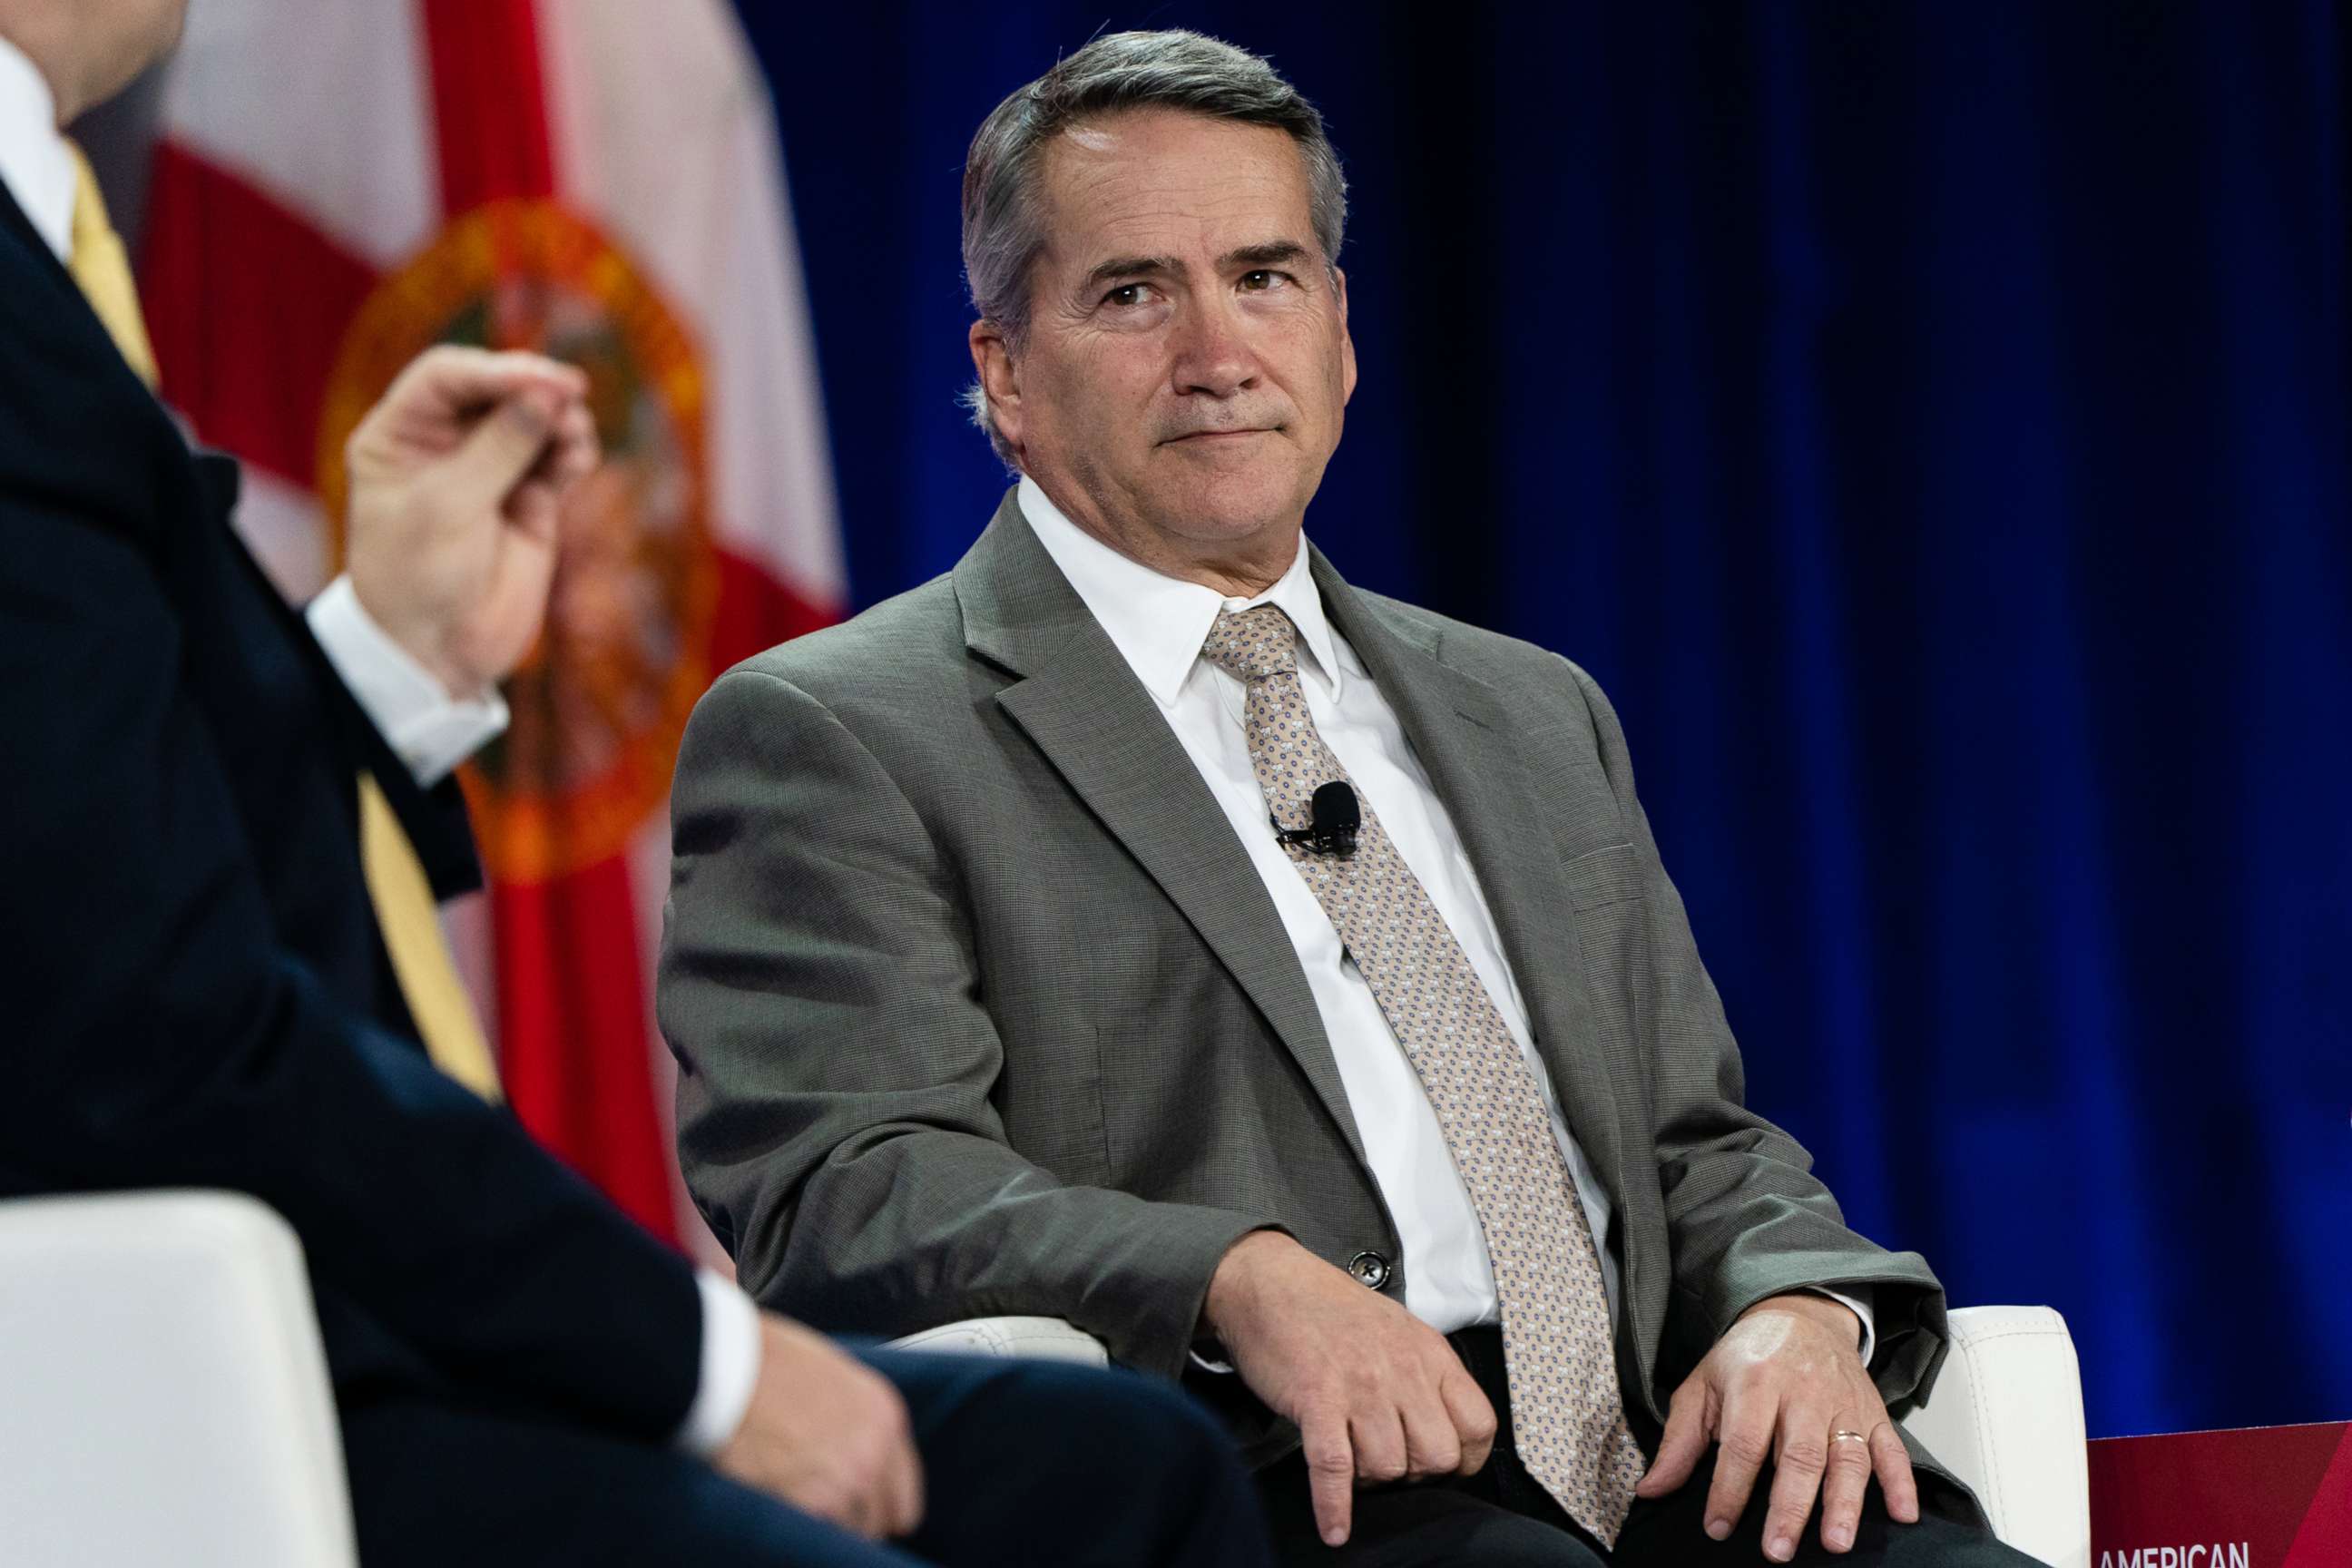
(338, 187)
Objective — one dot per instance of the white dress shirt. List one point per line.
(1158, 624)
(427, 729)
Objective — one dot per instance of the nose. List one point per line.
(1212, 353)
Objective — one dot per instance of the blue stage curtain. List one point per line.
(1930, 422)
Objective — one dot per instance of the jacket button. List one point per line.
(1370, 1270)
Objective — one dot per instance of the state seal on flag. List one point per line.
(600, 704)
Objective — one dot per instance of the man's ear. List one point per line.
(1347, 343)
(992, 361)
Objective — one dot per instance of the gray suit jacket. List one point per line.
(981, 1008)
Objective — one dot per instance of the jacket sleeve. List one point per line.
(819, 987)
(162, 1034)
(1746, 1216)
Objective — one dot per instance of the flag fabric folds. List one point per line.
(337, 188)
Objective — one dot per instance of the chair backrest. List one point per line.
(167, 1397)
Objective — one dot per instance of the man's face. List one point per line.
(91, 50)
(141, 32)
(1186, 362)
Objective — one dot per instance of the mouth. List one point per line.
(1218, 437)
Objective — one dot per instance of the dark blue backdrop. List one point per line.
(1931, 425)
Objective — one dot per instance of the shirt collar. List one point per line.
(34, 163)
(1158, 623)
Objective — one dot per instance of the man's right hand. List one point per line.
(457, 475)
(1377, 1393)
(827, 1435)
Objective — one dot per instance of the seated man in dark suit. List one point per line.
(1405, 1124)
(219, 958)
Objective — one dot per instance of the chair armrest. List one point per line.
(2006, 1416)
(167, 1395)
(1042, 1338)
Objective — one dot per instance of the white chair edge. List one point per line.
(1040, 1339)
(169, 1397)
(2007, 1417)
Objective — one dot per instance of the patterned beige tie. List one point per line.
(1567, 1417)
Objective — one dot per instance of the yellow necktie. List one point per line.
(420, 958)
(102, 270)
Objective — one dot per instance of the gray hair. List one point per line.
(1171, 70)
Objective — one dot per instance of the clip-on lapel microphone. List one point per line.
(1333, 819)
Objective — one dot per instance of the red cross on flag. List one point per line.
(338, 187)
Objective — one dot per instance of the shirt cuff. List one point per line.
(1860, 1309)
(426, 728)
(730, 1365)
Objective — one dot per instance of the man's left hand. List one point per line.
(457, 477)
(1780, 1388)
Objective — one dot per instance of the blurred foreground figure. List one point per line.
(1141, 926)
(225, 825)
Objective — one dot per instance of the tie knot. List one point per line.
(1253, 644)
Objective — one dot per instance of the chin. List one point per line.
(1224, 506)
(1212, 522)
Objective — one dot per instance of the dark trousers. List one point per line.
(1502, 1518)
(1025, 1463)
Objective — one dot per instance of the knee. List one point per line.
(1510, 1540)
(1120, 1421)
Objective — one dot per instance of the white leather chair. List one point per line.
(2007, 1415)
(163, 1395)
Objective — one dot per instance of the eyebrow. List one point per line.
(1131, 267)
(1271, 253)
(1274, 253)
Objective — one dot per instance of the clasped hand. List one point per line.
(1377, 1395)
(828, 1434)
(1781, 1387)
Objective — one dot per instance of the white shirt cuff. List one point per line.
(730, 1365)
(426, 728)
(1860, 1310)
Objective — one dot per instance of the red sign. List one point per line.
(2268, 1497)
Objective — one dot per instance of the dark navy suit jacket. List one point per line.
(195, 991)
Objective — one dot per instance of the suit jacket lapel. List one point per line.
(12, 220)
(1079, 703)
(76, 319)
(111, 403)
(1461, 732)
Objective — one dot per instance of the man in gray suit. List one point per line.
(1139, 926)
